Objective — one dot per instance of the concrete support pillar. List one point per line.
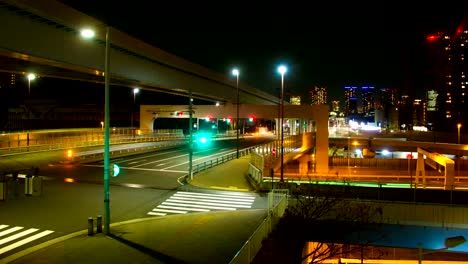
(420, 171)
(320, 126)
(449, 176)
(293, 127)
(304, 165)
(147, 119)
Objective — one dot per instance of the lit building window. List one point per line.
(449, 83)
(463, 44)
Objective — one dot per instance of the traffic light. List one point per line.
(251, 119)
(114, 170)
(203, 139)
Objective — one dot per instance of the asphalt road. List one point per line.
(147, 186)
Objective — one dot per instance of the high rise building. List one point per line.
(419, 112)
(318, 95)
(387, 106)
(295, 100)
(351, 100)
(335, 106)
(367, 99)
(447, 52)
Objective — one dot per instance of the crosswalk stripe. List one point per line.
(25, 241)
(207, 202)
(183, 202)
(221, 196)
(155, 213)
(13, 237)
(169, 211)
(11, 230)
(3, 226)
(233, 194)
(214, 199)
(168, 206)
(211, 201)
(202, 206)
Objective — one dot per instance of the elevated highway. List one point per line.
(43, 36)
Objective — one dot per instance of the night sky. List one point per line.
(329, 45)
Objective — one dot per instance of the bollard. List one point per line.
(90, 226)
(99, 224)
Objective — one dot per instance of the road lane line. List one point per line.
(174, 157)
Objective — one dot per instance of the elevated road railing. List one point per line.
(61, 139)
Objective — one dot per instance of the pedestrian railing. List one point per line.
(220, 160)
(277, 204)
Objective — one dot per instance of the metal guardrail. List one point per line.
(220, 160)
(94, 155)
(80, 142)
(277, 204)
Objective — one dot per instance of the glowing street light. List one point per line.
(135, 91)
(30, 77)
(282, 70)
(235, 72)
(89, 33)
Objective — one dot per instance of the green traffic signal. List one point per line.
(114, 169)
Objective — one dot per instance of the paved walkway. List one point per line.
(212, 237)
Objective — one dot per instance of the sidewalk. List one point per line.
(212, 237)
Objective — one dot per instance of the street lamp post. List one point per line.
(106, 134)
(235, 72)
(282, 70)
(459, 126)
(135, 91)
(87, 33)
(30, 77)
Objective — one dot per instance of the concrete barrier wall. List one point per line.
(422, 214)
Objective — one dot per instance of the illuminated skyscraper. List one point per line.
(295, 100)
(335, 106)
(367, 99)
(448, 79)
(351, 100)
(318, 95)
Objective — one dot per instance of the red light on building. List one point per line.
(180, 113)
(432, 37)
